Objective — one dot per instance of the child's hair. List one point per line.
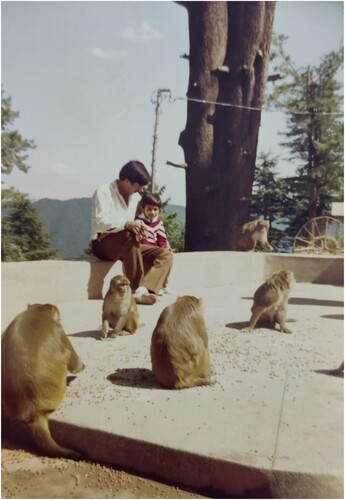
(135, 171)
(150, 199)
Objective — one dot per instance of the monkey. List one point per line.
(271, 300)
(120, 311)
(251, 233)
(36, 356)
(179, 346)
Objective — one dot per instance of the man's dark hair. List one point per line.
(150, 199)
(135, 171)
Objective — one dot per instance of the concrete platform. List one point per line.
(272, 423)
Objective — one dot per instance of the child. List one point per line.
(150, 205)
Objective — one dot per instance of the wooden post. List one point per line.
(155, 133)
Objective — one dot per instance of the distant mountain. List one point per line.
(179, 210)
(69, 223)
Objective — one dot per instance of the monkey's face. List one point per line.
(288, 277)
(122, 288)
(120, 285)
(263, 226)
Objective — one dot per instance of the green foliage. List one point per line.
(13, 145)
(312, 100)
(23, 237)
(173, 227)
(87, 252)
(271, 201)
(174, 230)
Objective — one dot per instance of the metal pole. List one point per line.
(155, 134)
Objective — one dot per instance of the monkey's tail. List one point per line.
(44, 441)
(194, 382)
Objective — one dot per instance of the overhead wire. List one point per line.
(173, 99)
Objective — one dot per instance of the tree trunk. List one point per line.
(229, 54)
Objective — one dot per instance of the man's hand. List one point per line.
(137, 227)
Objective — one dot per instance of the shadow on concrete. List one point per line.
(134, 377)
(238, 325)
(333, 316)
(257, 329)
(93, 334)
(316, 302)
(70, 379)
(310, 302)
(16, 435)
(333, 373)
(333, 273)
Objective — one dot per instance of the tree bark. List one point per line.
(229, 54)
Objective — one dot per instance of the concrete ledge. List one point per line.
(57, 280)
(325, 270)
(272, 424)
(196, 471)
(186, 468)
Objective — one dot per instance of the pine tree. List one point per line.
(270, 201)
(23, 237)
(13, 146)
(312, 99)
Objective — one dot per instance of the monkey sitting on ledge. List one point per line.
(179, 346)
(36, 356)
(252, 233)
(271, 300)
(120, 314)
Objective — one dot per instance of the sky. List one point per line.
(83, 76)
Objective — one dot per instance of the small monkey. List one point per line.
(120, 311)
(179, 346)
(271, 300)
(36, 356)
(251, 233)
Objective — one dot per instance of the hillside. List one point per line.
(68, 223)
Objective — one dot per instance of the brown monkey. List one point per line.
(36, 355)
(179, 346)
(271, 300)
(251, 233)
(120, 311)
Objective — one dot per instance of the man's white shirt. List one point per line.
(109, 209)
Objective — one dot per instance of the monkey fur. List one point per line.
(120, 314)
(179, 346)
(36, 356)
(252, 233)
(271, 300)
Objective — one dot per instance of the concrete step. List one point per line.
(273, 421)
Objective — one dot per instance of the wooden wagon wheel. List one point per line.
(321, 235)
